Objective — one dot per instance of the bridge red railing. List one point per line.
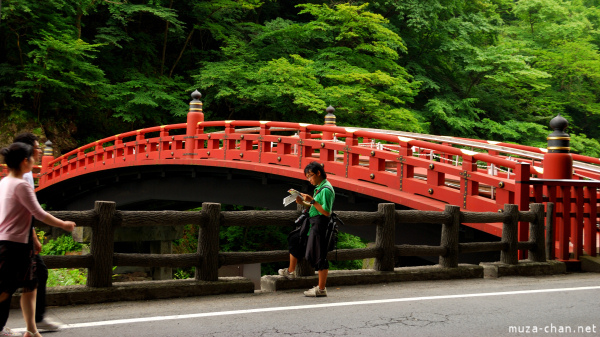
(417, 173)
(36, 171)
(580, 169)
(393, 166)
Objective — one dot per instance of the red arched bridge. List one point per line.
(419, 171)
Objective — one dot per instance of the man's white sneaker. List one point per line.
(45, 324)
(7, 332)
(286, 273)
(316, 292)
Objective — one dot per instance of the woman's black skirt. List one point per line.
(17, 267)
(316, 247)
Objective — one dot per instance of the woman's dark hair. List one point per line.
(315, 167)
(14, 154)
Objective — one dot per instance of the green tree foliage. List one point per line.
(68, 61)
(472, 82)
(562, 36)
(81, 70)
(283, 69)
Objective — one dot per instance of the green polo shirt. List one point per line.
(324, 196)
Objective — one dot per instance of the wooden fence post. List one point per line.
(510, 230)
(536, 234)
(102, 245)
(550, 247)
(208, 243)
(303, 268)
(450, 237)
(386, 238)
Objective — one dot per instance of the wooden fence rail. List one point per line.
(104, 219)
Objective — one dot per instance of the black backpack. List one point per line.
(332, 232)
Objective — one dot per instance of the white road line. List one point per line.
(312, 306)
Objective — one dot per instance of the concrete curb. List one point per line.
(143, 290)
(356, 277)
(524, 268)
(590, 264)
(149, 290)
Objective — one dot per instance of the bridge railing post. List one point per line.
(450, 237)
(403, 170)
(589, 223)
(119, 149)
(550, 218)
(468, 186)
(350, 159)
(536, 234)
(510, 227)
(199, 143)
(577, 222)
(563, 228)
(263, 146)
(102, 245)
(305, 152)
(229, 143)
(385, 238)
(98, 154)
(208, 243)
(522, 175)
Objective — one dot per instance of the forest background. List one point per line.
(75, 71)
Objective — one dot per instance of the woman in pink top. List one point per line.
(17, 204)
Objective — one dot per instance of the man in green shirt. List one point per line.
(321, 205)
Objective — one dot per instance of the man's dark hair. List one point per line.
(26, 137)
(315, 167)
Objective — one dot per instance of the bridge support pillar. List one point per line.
(162, 247)
(385, 238)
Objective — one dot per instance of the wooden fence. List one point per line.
(104, 219)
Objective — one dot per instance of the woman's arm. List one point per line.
(51, 220)
(37, 245)
(319, 207)
(28, 199)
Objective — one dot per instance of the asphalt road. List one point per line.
(564, 305)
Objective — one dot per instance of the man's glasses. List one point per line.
(310, 176)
